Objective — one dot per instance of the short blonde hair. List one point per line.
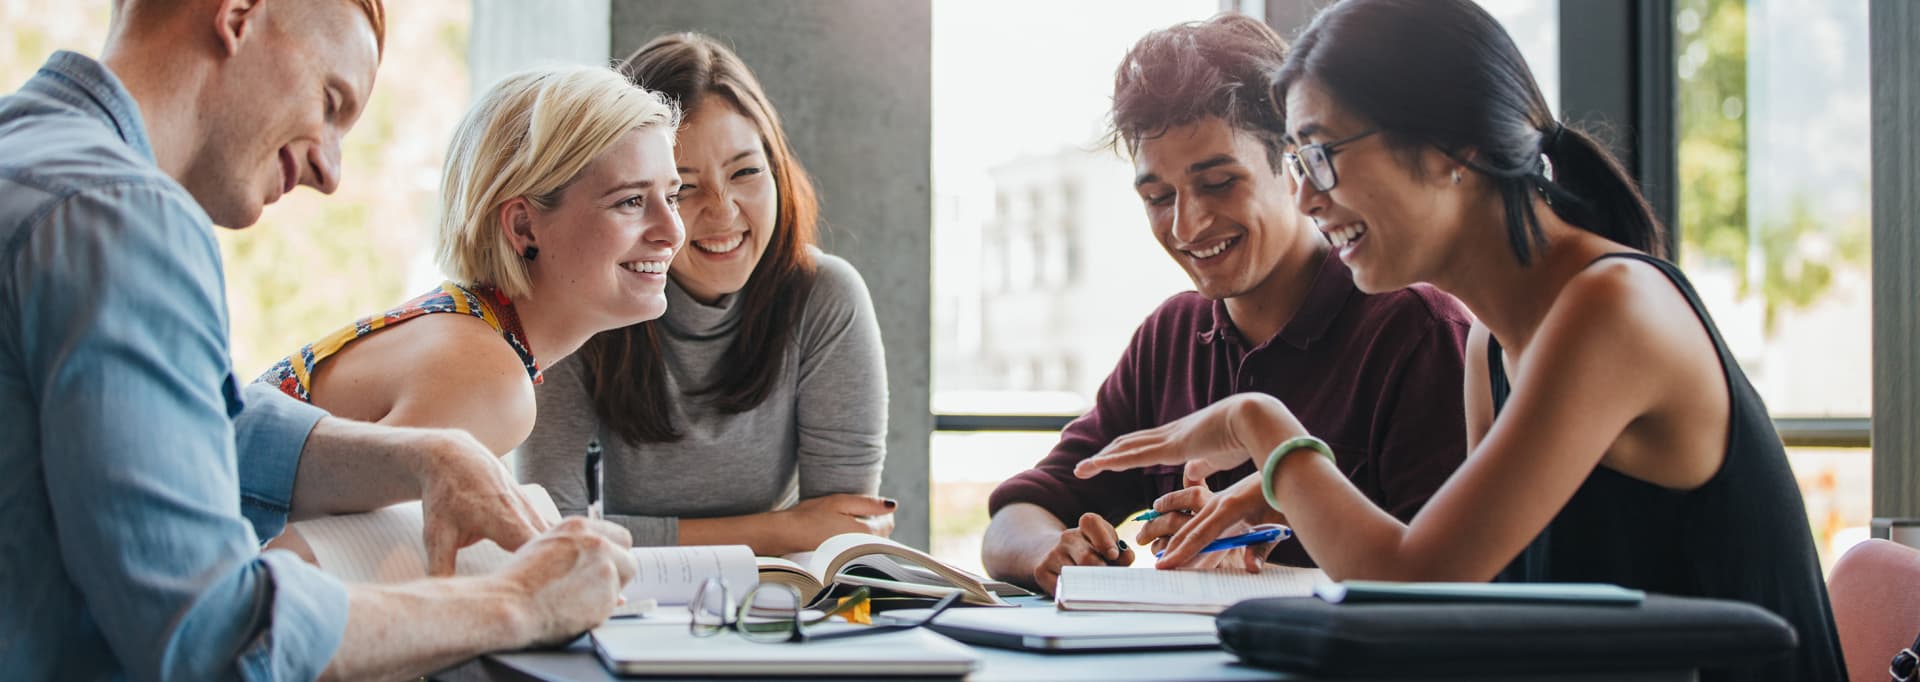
(529, 136)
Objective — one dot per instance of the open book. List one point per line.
(872, 561)
(1119, 588)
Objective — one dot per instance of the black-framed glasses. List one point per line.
(1314, 162)
(771, 612)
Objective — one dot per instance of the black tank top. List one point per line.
(1743, 535)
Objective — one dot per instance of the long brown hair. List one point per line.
(626, 375)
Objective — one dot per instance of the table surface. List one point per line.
(577, 662)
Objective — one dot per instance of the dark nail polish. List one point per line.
(891, 504)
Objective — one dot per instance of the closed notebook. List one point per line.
(1370, 591)
(1116, 588)
(1046, 629)
(636, 648)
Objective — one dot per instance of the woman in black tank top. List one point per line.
(1613, 437)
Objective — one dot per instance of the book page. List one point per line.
(386, 545)
(897, 561)
(671, 575)
(1118, 588)
(891, 559)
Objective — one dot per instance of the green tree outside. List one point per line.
(1789, 262)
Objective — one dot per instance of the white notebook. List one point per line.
(1119, 588)
(642, 649)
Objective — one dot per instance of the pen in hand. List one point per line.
(1259, 535)
(596, 481)
(1150, 515)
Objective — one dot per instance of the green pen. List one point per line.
(1150, 515)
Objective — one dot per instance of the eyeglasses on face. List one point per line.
(771, 612)
(1314, 162)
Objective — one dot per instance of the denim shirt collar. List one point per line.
(87, 85)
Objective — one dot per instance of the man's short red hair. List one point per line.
(375, 10)
(377, 15)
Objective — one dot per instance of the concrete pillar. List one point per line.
(510, 35)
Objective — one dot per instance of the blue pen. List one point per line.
(1268, 534)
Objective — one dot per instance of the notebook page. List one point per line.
(1115, 587)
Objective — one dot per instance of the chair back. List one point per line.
(1875, 589)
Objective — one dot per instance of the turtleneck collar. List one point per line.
(687, 317)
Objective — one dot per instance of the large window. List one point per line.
(1774, 219)
(1044, 263)
(315, 262)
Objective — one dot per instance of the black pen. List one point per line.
(595, 480)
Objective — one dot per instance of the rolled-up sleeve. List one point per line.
(270, 431)
(121, 287)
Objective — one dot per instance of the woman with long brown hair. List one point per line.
(754, 411)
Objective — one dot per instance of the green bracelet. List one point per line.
(1292, 445)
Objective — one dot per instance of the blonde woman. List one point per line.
(755, 411)
(557, 222)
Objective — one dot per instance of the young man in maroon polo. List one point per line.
(1275, 311)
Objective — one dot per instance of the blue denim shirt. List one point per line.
(131, 546)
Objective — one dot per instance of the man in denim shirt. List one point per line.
(140, 480)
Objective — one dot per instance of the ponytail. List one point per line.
(1445, 74)
(1591, 190)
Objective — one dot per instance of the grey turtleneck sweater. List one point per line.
(822, 430)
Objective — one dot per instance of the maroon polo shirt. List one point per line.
(1378, 377)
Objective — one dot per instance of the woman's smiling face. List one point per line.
(727, 199)
(1391, 224)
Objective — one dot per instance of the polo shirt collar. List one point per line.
(1326, 296)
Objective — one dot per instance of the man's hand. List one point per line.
(1092, 543)
(571, 578)
(467, 495)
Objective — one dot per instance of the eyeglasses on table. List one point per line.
(772, 612)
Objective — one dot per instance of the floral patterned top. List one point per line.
(294, 373)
